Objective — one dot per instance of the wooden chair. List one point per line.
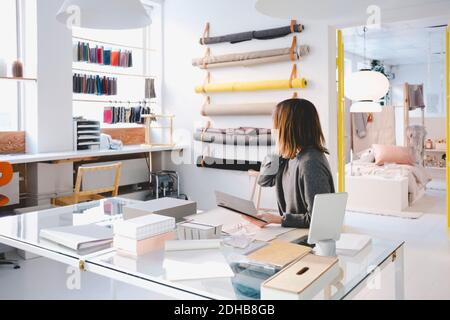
(256, 193)
(91, 195)
(6, 175)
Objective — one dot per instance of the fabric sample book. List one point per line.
(150, 91)
(94, 84)
(99, 55)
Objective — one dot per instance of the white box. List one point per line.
(144, 227)
(169, 207)
(302, 280)
(196, 231)
(376, 194)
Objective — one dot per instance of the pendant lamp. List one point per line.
(366, 88)
(104, 14)
(321, 10)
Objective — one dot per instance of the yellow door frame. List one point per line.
(341, 112)
(447, 120)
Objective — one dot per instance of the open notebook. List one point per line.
(79, 237)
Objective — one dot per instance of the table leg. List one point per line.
(337, 283)
(113, 290)
(399, 263)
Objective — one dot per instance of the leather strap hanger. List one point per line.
(293, 52)
(293, 24)
(206, 33)
(208, 150)
(206, 57)
(294, 75)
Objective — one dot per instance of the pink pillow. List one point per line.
(392, 154)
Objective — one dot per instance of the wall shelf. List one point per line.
(113, 101)
(18, 79)
(435, 150)
(77, 70)
(113, 44)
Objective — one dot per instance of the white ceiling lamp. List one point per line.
(366, 88)
(321, 10)
(104, 14)
(366, 107)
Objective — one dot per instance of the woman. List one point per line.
(303, 170)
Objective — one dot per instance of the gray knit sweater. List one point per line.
(297, 182)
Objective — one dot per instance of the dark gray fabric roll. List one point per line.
(247, 36)
(228, 164)
(235, 140)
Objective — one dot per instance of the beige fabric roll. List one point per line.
(251, 109)
(247, 63)
(303, 51)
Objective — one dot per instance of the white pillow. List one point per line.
(367, 156)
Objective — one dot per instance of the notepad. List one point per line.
(195, 259)
(351, 244)
(279, 253)
(79, 237)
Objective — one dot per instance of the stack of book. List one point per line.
(144, 234)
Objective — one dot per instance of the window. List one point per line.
(9, 113)
(18, 40)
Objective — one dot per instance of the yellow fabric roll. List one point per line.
(252, 86)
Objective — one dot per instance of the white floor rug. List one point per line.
(399, 214)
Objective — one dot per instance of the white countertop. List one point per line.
(72, 155)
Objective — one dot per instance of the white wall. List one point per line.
(184, 22)
(433, 77)
(53, 117)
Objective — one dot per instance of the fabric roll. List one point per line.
(298, 83)
(241, 56)
(235, 140)
(251, 109)
(250, 35)
(247, 63)
(228, 164)
(254, 55)
(241, 130)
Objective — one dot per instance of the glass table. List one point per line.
(147, 271)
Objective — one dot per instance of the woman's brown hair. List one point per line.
(298, 125)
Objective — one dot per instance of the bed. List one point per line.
(391, 175)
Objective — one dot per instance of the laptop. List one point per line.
(242, 206)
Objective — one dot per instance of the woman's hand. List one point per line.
(270, 218)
